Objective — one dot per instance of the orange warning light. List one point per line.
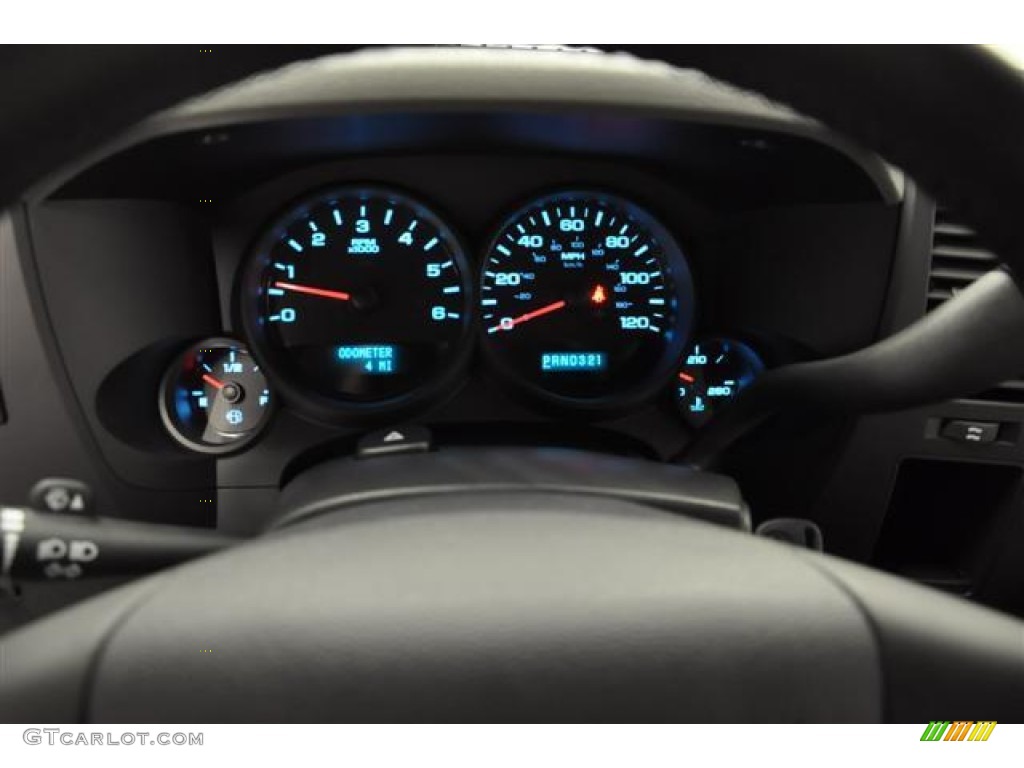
(599, 296)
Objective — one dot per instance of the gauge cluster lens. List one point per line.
(713, 373)
(585, 300)
(214, 398)
(359, 297)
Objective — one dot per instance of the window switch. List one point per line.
(963, 431)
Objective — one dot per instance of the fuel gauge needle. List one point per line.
(216, 383)
(312, 291)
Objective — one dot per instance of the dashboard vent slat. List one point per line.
(958, 259)
(952, 229)
(964, 252)
(957, 274)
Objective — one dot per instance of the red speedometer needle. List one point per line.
(212, 381)
(508, 324)
(322, 292)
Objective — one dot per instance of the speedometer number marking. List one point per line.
(581, 297)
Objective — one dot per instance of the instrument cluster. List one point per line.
(361, 303)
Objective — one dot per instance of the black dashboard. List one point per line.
(524, 336)
(301, 266)
(460, 272)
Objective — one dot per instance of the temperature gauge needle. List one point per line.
(508, 324)
(310, 290)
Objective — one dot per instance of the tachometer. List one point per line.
(586, 300)
(358, 300)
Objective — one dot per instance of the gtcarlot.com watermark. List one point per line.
(54, 737)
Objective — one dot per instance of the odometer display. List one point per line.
(586, 300)
(359, 299)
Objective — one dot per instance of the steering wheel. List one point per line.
(537, 606)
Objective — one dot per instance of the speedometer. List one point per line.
(586, 300)
(358, 301)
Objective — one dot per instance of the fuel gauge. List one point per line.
(214, 399)
(713, 373)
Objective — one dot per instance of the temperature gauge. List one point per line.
(712, 374)
(214, 399)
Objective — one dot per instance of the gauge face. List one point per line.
(214, 399)
(713, 373)
(358, 299)
(586, 300)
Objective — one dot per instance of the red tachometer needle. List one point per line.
(508, 324)
(212, 381)
(322, 292)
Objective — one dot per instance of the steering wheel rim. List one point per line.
(971, 158)
(514, 607)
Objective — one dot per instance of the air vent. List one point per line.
(958, 259)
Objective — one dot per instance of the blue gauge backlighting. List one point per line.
(182, 405)
(373, 359)
(214, 398)
(372, 312)
(573, 361)
(591, 287)
(713, 373)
